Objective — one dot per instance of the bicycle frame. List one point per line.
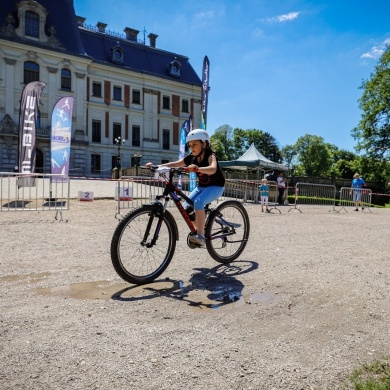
(175, 194)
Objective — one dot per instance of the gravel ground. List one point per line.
(310, 302)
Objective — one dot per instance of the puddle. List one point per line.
(26, 278)
(199, 299)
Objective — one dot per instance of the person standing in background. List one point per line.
(264, 191)
(281, 186)
(357, 184)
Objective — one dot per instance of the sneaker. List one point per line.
(268, 210)
(262, 210)
(356, 210)
(198, 239)
(362, 208)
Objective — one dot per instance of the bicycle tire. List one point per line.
(224, 242)
(132, 259)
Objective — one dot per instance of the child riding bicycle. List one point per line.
(203, 161)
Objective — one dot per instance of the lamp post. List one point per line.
(119, 141)
(137, 160)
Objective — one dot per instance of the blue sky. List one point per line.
(287, 67)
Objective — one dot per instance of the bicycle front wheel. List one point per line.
(227, 231)
(136, 255)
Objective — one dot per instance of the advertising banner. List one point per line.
(61, 133)
(205, 91)
(29, 107)
(182, 145)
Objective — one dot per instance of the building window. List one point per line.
(31, 24)
(31, 72)
(136, 136)
(164, 161)
(166, 103)
(184, 106)
(117, 95)
(96, 131)
(117, 131)
(96, 89)
(165, 144)
(66, 79)
(95, 163)
(136, 97)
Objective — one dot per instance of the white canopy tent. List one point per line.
(252, 158)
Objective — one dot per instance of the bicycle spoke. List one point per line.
(227, 232)
(134, 259)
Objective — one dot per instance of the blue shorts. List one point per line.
(357, 195)
(204, 195)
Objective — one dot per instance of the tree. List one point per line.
(345, 163)
(373, 130)
(230, 144)
(314, 157)
(289, 155)
(222, 143)
(263, 141)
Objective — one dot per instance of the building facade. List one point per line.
(124, 88)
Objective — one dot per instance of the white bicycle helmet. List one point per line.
(197, 135)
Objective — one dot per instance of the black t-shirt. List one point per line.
(204, 180)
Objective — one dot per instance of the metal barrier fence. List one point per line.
(133, 191)
(314, 194)
(46, 193)
(349, 196)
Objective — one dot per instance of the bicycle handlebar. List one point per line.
(154, 168)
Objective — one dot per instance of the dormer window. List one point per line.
(174, 69)
(32, 20)
(31, 28)
(117, 54)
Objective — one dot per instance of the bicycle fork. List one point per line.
(157, 212)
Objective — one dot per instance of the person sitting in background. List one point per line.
(357, 184)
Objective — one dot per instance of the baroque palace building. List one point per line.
(123, 86)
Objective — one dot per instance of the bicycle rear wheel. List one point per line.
(135, 258)
(227, 231)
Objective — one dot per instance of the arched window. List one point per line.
(31, 72)
(31, 28)
(66, 79)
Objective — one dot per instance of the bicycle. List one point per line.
(144, 241)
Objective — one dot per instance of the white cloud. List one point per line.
(282, 18)
(376, 51)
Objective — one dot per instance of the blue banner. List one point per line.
(182, 145)
(182, 142)
(192, 175)
(61, 133)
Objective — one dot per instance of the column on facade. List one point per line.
(10, 88)
(150, 128)
(78, 109)
(52, 91)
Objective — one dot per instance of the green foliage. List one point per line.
(374, 376)
(373, 130)
(230, 144)
(222, 143)
(263, 141)
(314, 156)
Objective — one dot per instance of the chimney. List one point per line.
(80, 21)
(152, 37)
(131, 34)
(101, 27)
